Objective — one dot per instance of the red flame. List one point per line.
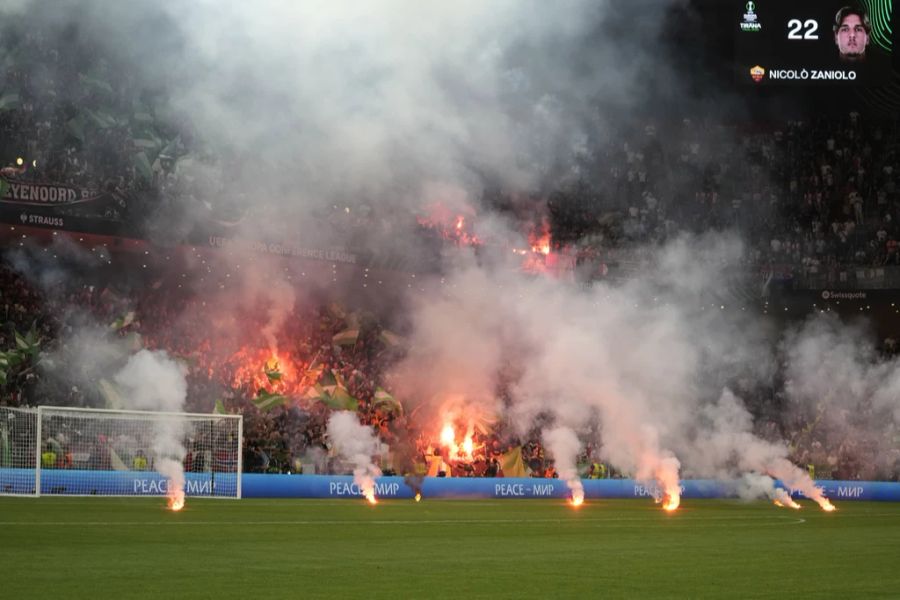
(277, 372)
(539, 238)
(450, 225)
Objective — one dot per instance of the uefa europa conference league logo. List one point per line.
(751, 19)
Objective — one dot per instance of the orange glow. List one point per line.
(539, 238)
(468, 446)
(370, 496)
(448, 435)
(577, 498)
(175, 499)
(449, 225)
(542, 246)
(788, 503)
(418, 497)
(826, 505)
(249, 366)
(671, 501)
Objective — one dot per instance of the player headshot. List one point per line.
(851, 33)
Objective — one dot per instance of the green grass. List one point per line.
(69, 548)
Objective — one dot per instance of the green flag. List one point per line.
(219, 408)
(110, 393)
(342, 400)
(385, 401)
(273, 374)
(266, 401)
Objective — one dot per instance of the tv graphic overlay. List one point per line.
(813, 42)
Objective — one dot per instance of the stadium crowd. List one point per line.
(289, 436)
(815, 198)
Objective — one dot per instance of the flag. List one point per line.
(9, 101)
(273, 374)
(75, 126)
(314, 371)
(4, 446)
(342, 400)
(333, 396)
(347, 337)
(115, 462)
(384, 400)
(219, 408)
(512, 464)
(142, 165)
(110, 393)
(266, 401)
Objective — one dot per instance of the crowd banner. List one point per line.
(257, 485)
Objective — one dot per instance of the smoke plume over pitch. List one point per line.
(152, 381)
(356, 444)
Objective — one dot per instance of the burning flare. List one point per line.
(175, 497)
(468, 446)
(448, 436)
(370, 496)
(671, 499)
(783, 499)
(577, 497)
(826, 504)
(418, 497)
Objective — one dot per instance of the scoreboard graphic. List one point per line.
(813, 42)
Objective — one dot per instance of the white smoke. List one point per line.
(152, 381)
(565, 446)
(356, 444)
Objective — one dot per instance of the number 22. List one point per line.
(795, 27)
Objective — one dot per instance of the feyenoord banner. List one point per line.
(45, 194)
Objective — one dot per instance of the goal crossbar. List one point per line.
(54, 451)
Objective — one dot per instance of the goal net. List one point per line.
(18, 457)
(87, 452)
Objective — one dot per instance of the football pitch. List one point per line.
(68, 548)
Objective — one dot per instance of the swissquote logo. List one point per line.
(757, 73)
(751, 19)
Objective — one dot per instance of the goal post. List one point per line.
(101, 452)
(18, 461)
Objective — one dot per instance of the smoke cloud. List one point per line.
(356, 444)
(152, 381)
